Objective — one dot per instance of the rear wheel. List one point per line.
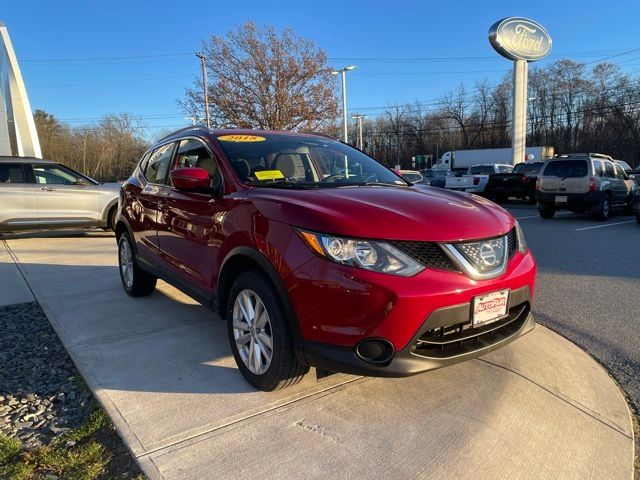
(546, 210)
(135, 281)
(603, 210)
(260, 335)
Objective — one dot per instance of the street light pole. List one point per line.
(359, 119)
(344, 71)
(203, 66)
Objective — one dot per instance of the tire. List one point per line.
(628, 207)
(267, 372)
(546, 211)
(135, 281)
(638, 218)
(111, 218)
(603, 210)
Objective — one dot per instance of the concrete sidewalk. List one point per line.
(161, 366)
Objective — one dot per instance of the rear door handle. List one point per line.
(46, 189)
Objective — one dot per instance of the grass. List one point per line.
(77, 455)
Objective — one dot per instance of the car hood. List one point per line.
(394, 213)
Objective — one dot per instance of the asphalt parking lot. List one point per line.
(588, 286)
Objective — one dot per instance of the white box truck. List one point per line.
(461, 160)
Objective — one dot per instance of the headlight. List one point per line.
(367, 254)
(522, 244)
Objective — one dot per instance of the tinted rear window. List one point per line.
(567, 168)
(527, 168)
(481, 170)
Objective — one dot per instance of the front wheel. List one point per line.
(260, 335)
(135, 281)
(546, 211)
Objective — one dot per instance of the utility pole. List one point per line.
(359, 119)
(203, 66)
(344, 71)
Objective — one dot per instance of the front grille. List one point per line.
(453, 340)
(431, 255)
(428, 254)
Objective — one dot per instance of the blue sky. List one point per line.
(76, 56)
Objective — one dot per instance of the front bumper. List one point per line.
(338, 307)
(427, 352)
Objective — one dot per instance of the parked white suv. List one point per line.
(41, 194)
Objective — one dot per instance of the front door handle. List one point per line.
(46, 189)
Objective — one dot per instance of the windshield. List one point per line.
(567, 168)
(527, 168)
(273, 160)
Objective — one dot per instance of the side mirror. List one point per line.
(190, 179)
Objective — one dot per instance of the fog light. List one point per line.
(376, 351)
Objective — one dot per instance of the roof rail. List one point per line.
(185, 129)
(594, 155)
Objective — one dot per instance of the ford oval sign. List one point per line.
(520, 39)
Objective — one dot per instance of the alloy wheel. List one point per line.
(252, 332)
(126, 263)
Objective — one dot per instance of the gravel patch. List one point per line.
(41, 394)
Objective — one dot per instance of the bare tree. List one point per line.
(261, 78)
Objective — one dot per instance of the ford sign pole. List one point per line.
(522, 41)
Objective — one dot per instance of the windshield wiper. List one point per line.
(384, 184)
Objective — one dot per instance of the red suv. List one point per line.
(317, 255)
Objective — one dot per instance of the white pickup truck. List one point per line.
(476, 178)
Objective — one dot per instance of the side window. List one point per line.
(193, 153)
(610, 171)
(598, 168)
(12, 173)
(144, 161)
(53, 174)
(158, 165)
(619, 172)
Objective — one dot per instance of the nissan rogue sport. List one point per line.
(317, 255)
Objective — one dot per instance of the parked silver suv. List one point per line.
(41, 194)
(583, 182)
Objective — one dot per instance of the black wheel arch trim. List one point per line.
(219, 302)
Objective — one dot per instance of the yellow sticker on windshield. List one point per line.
(268, 174)
(241, 138)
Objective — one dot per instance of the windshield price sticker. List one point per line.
(269, 175)
(241, 138)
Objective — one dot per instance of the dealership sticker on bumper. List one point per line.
(490, 307)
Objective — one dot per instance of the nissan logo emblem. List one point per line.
(488, 255)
